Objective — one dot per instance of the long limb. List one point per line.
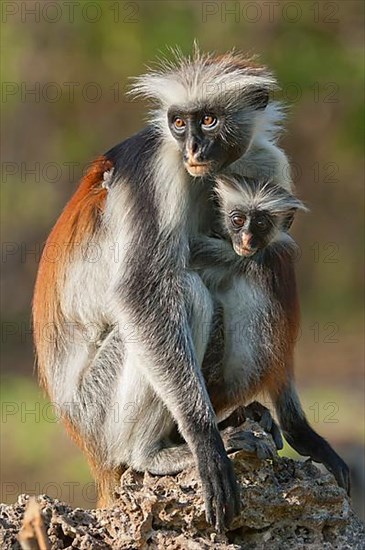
(304, 439)
(117, 418)
(165, 356)
(115, 415)
(152, 445)
(292, 419)
(294, 424)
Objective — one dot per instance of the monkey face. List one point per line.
(254, 212)
(250, 231)
(205, 139)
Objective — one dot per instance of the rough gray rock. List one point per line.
(285, 504)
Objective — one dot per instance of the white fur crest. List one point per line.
(256, 195)
(204, 79)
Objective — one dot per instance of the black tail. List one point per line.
(305, 440)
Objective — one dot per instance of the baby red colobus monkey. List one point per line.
(253, 259)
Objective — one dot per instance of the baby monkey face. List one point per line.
(250, 231)
(254, 213)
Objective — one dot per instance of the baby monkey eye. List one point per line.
(262, 223)
(179, 123)
(209, 121)
(238, 220)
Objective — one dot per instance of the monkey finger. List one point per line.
(246, 446)
(250, 444)
(348, 484)
(208, 504)
(220, 512)
(269, 425)
(346, 478)
(228, 499)
(232, 498)
(242, 441)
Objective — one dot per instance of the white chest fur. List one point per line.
(246, 318)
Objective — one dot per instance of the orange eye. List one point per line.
(179, 123)
(238, 220)
(209, 121)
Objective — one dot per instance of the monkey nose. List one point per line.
(247, 247)
(246, 241)
(194, 148)
(193, 153)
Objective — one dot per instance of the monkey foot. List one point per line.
(258, 413)
(238, 440)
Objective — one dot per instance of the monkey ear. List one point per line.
(288, 220)
(289, 216)
(258, 98)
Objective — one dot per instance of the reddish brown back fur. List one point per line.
(76, 224)
(284, 287)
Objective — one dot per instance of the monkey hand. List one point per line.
(220, 488)
(236, 439)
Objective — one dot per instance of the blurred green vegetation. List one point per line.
(36, 454)
(318, 58)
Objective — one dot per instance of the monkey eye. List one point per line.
(261, 223)
(179, 124)
(209, 121)
(238, 220)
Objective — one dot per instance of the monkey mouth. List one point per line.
(248, 252)
(244, 251)
(199, 169)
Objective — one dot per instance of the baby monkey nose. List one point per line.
(246, 240)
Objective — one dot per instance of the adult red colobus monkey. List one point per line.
(122, 392)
